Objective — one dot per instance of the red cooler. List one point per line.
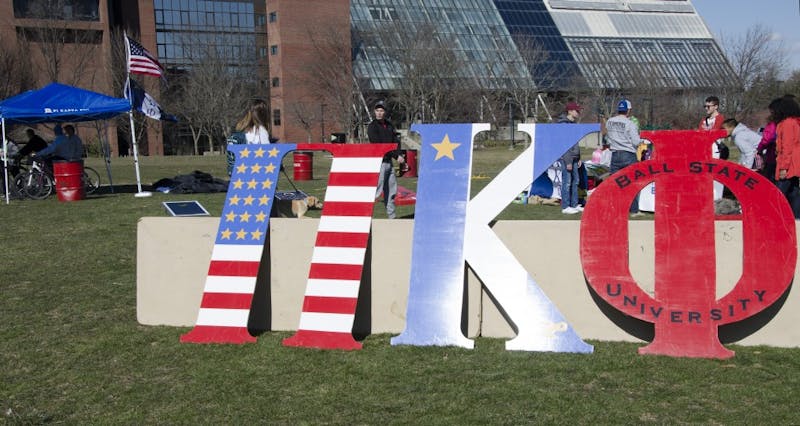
(69, 180)
(303, 165)
(411, 160)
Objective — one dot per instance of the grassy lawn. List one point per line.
(72, 352)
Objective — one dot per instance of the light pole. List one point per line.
(322, 111)
(511, 120)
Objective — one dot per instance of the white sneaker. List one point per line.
(578, 208)
(569, 210)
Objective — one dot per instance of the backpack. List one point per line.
(236, 138)
(724, 151)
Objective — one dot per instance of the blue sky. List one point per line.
(733, 17)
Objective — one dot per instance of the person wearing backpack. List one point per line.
(713, 121)
(251, 129)
(381, 130)
(254, 123)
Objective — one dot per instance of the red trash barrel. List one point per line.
(411, 160)
(69, 180)
(303, 165)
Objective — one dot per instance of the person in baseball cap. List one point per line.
(573, 106)
(570, 165)
(623, 137)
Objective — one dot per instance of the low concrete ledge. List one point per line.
(173, 255)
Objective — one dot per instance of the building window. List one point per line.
(273, 50)
(262, 52)
(261, 20)
(65, 10)
(276, 82)
(276, 117)
(378, 13)
(273, 16)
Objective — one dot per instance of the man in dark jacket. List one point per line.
(35, 144)
(380, 130)
(570, 166)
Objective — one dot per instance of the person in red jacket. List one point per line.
(787, 149)
(713, 119)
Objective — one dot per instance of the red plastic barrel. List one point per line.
(411, 159)
(303, 165)
(69, 180)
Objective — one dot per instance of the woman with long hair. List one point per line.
(254, 123)
(786, 114)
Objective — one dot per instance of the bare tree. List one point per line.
(429, 68)
(524, 90)
(304, 113)
(334, 89)
(792, 84)
(15, 75)
(758, 60)
(67, 54)
(214, 91)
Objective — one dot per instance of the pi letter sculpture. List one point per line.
(684, 311)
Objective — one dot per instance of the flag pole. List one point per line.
(139, 193)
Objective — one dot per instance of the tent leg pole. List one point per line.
(5, 158)
(106, 153)
(140, 193)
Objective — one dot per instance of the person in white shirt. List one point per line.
(254, 123)
(745, 140)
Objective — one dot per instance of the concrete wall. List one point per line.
(173, 255)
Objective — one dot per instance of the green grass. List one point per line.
(72, 352)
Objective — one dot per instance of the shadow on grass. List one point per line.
(120, 189)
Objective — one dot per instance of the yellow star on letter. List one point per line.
(256, 234)
(248, 201)
(240, 234)
(445, 148)
(255, 168)
(251, 184)
(245, 153)
(270, 168)
(260, 217)
(263, 200)
(244, 217)
(266, 184)
(226, 234)
(241, 168)
(273, 152)
(234, 200)
(260, 152)
(238, 184)
(230, 217)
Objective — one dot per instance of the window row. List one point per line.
(66, 10)
(175, 19)
(205, 6)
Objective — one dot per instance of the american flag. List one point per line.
(140, 61)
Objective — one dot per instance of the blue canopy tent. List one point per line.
(59, 103)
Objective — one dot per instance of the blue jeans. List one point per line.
(620, 160)
(387, 183)
(569, 184)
